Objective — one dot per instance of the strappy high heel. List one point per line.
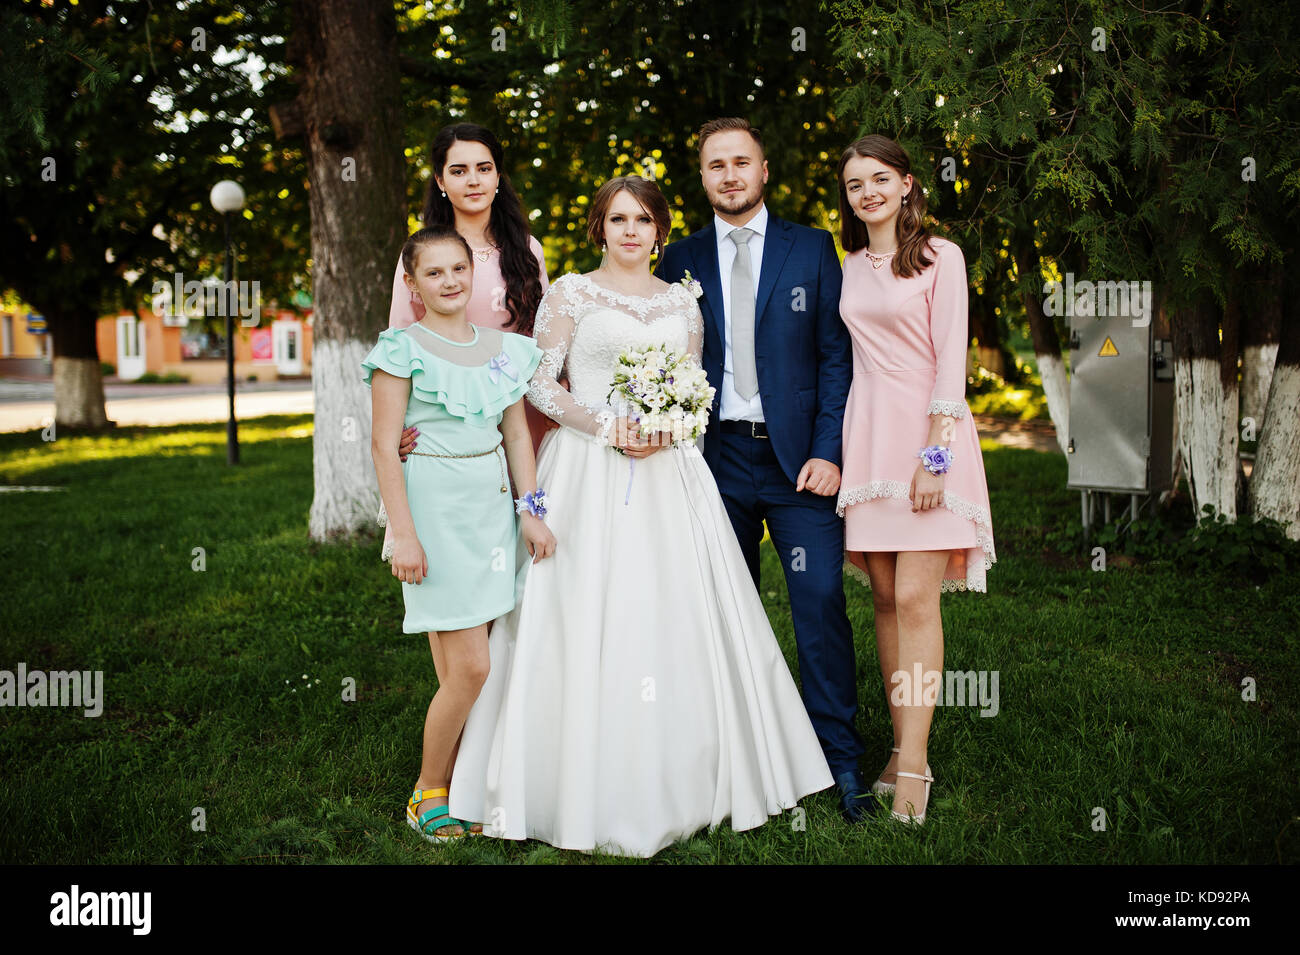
(908, 817)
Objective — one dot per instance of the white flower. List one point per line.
(692, 286)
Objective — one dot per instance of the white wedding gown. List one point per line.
(637, 693)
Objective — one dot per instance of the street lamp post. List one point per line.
(228, 197)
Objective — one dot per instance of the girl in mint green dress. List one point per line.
(455, 524)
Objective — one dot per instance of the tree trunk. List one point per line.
(1275, 481)
(1260, 330)
(1205, 392)
(352, 118)
(78, 381)
(986, 329)
(1162, 330)
(1047, 348)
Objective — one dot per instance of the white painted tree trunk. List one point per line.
(347, 494)
(1256, 375)
(1207, 434)
(1176, 459)
(1056, 388)
(1275, 481)
(78, 393)
(350, 104)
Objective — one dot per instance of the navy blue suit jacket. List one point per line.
(802, 349)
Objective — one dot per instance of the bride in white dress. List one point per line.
(636, 693)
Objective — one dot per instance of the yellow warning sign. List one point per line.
(1108, 349)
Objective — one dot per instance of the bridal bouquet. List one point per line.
(662, 390)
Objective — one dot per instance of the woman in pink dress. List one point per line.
(471, 191)
(913, 493)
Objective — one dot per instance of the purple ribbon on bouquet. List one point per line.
(631, 465)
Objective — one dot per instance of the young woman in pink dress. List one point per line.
(471, 191)
(913, 493)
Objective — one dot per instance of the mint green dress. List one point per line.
(464, 520)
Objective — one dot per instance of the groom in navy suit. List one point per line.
(780, 358)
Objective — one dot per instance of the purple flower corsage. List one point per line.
(534, 503)
(936, 458)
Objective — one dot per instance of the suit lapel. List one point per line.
(776, 248)
(704, 256)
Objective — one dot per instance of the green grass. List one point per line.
(1118, 690)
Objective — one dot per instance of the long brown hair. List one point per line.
(506, 223)
(910, 233)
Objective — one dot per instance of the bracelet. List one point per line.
(534, 503)
(936, 458)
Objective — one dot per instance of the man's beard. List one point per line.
(743, 209)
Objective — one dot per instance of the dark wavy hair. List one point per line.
(506, 223)
(911, 235)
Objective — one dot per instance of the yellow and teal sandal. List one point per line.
(439, 817)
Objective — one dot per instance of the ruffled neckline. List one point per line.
(466, 391)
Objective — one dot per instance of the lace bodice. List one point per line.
(582, 328)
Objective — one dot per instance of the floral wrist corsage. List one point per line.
(534, 503)
(936, 458)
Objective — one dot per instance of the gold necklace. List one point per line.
(483, 254)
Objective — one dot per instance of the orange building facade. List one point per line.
(280, 348)
(149, 342)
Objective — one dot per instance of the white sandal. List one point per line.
(905, 817)
(880, 786)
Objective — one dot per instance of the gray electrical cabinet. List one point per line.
(1121, 410)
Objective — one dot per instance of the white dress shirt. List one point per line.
(734, 407)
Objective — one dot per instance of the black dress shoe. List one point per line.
(857, 802)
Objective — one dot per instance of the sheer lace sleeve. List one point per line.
(557, 317)
(695, 329)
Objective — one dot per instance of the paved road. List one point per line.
(26, 405)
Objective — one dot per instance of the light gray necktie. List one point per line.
(742, 317)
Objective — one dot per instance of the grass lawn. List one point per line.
(1119, 691)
